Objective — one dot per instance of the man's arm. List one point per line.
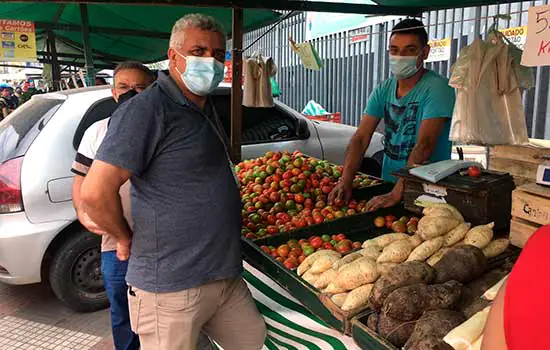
(494, 337)
(5, 112)
(100, 196)
(359, 143)
(81, 213)
(428, 135)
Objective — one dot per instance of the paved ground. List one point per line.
(32, 318)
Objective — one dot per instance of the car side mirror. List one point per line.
(303, 129)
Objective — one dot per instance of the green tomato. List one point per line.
(308, 250)
(325, 238)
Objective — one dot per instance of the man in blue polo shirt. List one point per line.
(416, 105)
(184, 272)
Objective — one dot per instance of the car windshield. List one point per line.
(20, 128)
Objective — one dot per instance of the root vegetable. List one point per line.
(384, 268)
(324, 262)
(463, 264)
(426, 249)
(310, 277)
(372, 321)
(346, 260)
(333, 288)
(387, 239)
(449, 207)
(396, 252)
(434, 226)
(434, 259)
(358, 297)
(492, 292)
(415, 240)
(308, 262)
(404, 274)
(325, 278)
(395, 331)
(409, 303)
(339, 299)
(361, 271)
(477, 344)
(463, 336)
(370, 243)
(431, 327)
(372, 252)
(457, 234)
(480, 236)
(496, 247)
(438, 212)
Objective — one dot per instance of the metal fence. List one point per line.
(352, 70)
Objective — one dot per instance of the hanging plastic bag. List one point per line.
(308, 55)
(488, 108)
(275, 89)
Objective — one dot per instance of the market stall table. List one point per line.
(290, 325)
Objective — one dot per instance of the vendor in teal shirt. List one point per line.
(416, 105)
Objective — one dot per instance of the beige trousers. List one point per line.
(223, 309)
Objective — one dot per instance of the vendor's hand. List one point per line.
(123, 249)
(89, 224)
(384, 201)
(341, 191)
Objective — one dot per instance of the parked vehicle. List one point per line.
(40, 237)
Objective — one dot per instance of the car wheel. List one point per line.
(373, 166)
(75, 273)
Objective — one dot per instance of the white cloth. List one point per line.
(258, 71)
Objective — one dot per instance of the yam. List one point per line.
(339, 299)
(372, 321)
(404, 274)
(426, 249)
(492, 292)
(463, 264)
(434, 226)
(384, 268)
(480, 236)
(357, 298)
(464, 335)
(434, 259)
(372, 252)
(346, 260)
(310, 278)
(477, 344)
(449, 207)
(308, 262)
(395, 331)
(324, 262)
(370, 243)
(439, 212)
(409, 303)
(396, 252)
(325, 278)
(415, 240)
(431, 327)
(457, 234)
(333, 288)
(387, 239)
(472, 299)
(361, 271)
(496, 247)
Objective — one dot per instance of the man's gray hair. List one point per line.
(195, 20)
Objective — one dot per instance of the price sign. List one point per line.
(537, 47)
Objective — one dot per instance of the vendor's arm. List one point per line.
(493, 336)
(359, 143)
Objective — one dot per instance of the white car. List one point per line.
(40, 237)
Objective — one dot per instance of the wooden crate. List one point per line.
(530, 210)
(520, 161)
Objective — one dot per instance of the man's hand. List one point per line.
(89, 224)
(342, 191)
(123, 250)
(384, 201)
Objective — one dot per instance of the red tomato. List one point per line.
(265, 249)
(296, 251)
(310, 221)
(328, 245)
(283, 250)
(356, 245)
(279, 259)
(299, 198)
(474, 171)
(271, 219)
(352, 204)
(303, 241)
(326, 189)
(296, 171)
(250, 235)
(308, 203)
(340, 237)
(274, 197)
(318, 219)
(301, 259)
(272, 229)
(274, 254)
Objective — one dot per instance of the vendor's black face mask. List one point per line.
(126, 96)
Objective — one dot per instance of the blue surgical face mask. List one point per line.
(202, 74)
(403, 67)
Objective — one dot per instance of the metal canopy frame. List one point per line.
(237, 34)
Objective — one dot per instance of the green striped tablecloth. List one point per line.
(290, 325)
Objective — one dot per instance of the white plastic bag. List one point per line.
(488, 108)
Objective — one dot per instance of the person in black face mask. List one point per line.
(130, 78)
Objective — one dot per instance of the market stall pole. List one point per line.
(236, 83)
(88, 58)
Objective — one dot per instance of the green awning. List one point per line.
(120, 32)
(426, 5)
